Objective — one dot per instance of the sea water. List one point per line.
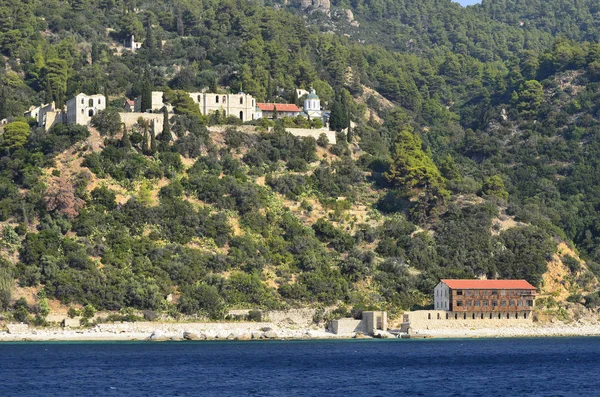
(435, 367)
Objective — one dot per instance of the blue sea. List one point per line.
(460, 367)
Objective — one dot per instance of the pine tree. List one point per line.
(269, 89)
(349, 133)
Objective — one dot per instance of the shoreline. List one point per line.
(161, 332)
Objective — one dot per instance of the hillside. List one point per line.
(472, 153)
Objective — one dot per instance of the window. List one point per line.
(459, 303)
(241, 100)
(520, 303)
(456, 316)
(525, 315)
(242, 116)
(446, 316)
(485, 303)
(429, 316)
(469, 292)
(477, 303)
(503, 303)
(503, 292)
(459, 292)
(482, 316)
(99, 101)
(82, 101)
(516, 315)
(494, 303)
(530, 303)
(473, 316)
(438, 316)
(198, 98)
(253, 102)
(511, 303)
(82, 111)
(499, 316)
(91, 112)
(469, 303)
(217, 99)
(494, 292)
(224, 99)
(490, 316)
(465, 316)
(91, 102)
(508, 316)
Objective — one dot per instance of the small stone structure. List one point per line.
(71, 322)
(370, 323)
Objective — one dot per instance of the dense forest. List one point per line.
(468, 146)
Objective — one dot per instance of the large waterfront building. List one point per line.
(485, 299)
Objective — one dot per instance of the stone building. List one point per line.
(46, 115)
(238, 105)
(82, 107)
(485, 298)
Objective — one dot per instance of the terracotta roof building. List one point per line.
(267, 110)
(485, 298)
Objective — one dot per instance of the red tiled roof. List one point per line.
(488, 284)
(129, 102)
(281, 107)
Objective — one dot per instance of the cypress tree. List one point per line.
(166, 133)
(125, 142)
(152, 140)
(146, 93)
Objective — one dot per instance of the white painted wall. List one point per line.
(441, 297)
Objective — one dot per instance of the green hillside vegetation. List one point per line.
(484, 163)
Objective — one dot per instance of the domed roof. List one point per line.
(312, 95)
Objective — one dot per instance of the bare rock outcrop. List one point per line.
(318, 5)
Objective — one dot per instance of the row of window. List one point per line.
(481, 316)
(91, 101)
(493, 292)
(494, 303)
(224, 99)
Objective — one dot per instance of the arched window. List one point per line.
(91, 112)
(473, 316)
(99, 101)
(525, 315)
(241, 100)
(482, 316)
(224, 99)
(91, 102)
(217, 99)
(456, 316)
(507, 316)
(490, 316)
(242, 116)
(464, 316)
(516, 315)
(82, 101)
(499, 316)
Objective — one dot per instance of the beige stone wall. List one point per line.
(306, 132)
(436, 319)
(345, 326)
(130, 119)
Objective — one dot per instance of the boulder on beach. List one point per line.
(190, 336)
(230, 337)
(243, 337)
(270, 335)
(158, 336)
(256, 334)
